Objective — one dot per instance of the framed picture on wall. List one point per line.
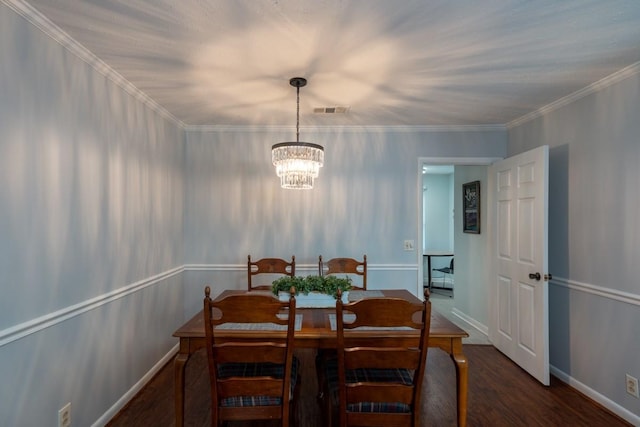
(471, 207)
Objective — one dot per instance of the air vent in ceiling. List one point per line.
(330, 110)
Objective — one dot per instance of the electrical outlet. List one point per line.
(632, 385)
(64, 416)
(408, 245)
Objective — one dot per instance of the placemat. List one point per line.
(260, 326)
(358, 295)
(349, 317)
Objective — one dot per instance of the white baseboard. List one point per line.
(594, 395)
(107, 416)
(470, 320)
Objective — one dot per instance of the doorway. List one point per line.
(472, 259)
(438, 228)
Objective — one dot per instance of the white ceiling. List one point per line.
(392, 62)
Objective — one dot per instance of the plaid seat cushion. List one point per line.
(227, 370)
(400, 376)
(244, 401)
(388, 407)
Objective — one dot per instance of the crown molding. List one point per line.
(611, 79)
(32, 15)
(349, 129)
(305, 267)
(43, 23)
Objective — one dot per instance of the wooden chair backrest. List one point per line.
(247, 308)
(271, 267)
(348, 266)
(352, 354)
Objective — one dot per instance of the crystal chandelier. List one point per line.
(297, 163)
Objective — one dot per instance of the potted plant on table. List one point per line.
(313, 291)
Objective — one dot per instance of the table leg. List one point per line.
(460, 362)
(429, 272)
(178, 375)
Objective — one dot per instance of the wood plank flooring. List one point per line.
(500, 394)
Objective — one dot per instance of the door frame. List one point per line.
(455, 161)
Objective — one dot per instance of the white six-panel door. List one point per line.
(518, 320)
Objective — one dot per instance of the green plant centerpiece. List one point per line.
(328, 285)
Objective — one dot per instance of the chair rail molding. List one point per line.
(621, 296)
(32, 326)
(37, 324)
(299, 267)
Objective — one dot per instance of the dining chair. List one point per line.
(347, 266)
(269, 267)
(377, 383)
(351, 268)
(254, 380)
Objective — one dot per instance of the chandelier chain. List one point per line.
(298, 114)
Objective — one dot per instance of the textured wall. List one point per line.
(366, 200)
(594, 237)
(472, 251)
(91, 202)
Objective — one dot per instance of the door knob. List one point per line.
(534, 276)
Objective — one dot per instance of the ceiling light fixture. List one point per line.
(297, 163)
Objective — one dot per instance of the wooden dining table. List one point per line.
(316, 332)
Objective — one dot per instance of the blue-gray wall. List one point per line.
(473, 254)
(113, 217)
(91, 226)
(100, 190)
(438, 215)
(594, 238)
(366, 201)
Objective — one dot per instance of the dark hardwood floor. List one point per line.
(500, 394)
